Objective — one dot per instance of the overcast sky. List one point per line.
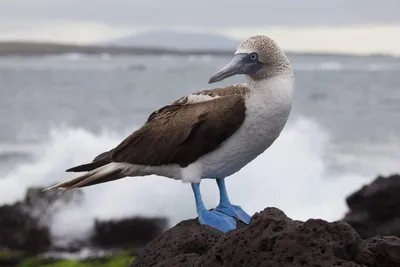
(93, 20)
(221, 13)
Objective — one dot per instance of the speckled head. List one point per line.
(257, 57)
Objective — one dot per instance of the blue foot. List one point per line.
(216, 220)
(234, 211)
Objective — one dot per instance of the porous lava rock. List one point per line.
(179, 246)
(375, 208)
(271, 239)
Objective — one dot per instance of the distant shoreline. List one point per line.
(30, 49)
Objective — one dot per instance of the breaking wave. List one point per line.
(292, 175)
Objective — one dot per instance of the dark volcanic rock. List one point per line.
(21, 231)
(127, 233)
(24, 224)
(271, 239)
(375, 208)
(182, 244)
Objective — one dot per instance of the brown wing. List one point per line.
(180, 134)
(173, 120)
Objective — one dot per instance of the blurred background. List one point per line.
(76, 77)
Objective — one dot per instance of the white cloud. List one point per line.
(362, 39)
(66, 31)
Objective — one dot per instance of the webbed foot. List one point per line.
(234, 211)
(216, 220)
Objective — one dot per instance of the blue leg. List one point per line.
(227, 208)
(216, 220)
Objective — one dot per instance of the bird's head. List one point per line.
(257, 57)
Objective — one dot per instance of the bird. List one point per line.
(208, 134)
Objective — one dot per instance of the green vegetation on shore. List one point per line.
(15, 259)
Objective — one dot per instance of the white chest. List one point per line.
(267, 111)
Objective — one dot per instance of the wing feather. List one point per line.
(180, 134)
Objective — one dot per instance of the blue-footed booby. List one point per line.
(208, 134)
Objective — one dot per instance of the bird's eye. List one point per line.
(253, 56)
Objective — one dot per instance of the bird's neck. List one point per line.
(279, 86)
(271, 95)
(269, 103)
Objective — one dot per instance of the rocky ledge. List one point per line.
(271, 239)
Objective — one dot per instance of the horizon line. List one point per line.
(120, 49)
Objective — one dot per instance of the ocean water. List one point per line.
(57, 112)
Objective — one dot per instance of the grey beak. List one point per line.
(236, 66)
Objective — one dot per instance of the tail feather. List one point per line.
(107, 173)
(100, 160)
(88, 167)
